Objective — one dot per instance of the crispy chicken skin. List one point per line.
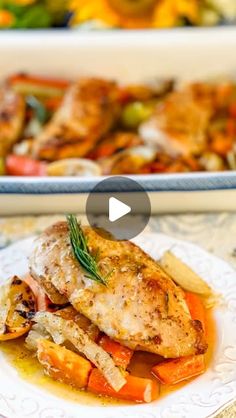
(12, 113)
(89, 110)
(141, 307)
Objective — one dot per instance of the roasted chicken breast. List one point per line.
(89, 110)
(179, 124)
(140, 307)
(12, 113)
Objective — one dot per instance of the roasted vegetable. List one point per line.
(183, 275)
(63, 365)
(20, 165)
(174, 371)
(196, 308)
(136, 389)
(74, 167)
(62, 330)
(70, 313)
(20, 306)
(135, 113)
(120, 354)
(38, 86)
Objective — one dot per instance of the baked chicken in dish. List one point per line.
(88, 111)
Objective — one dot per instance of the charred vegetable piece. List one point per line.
(136, 389)
(22, 306)
(63, 365)
(120, 354)
(174, 371)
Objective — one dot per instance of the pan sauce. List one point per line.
(30, 369)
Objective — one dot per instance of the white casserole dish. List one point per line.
(128, 57)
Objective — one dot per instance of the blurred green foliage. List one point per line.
(36, 14)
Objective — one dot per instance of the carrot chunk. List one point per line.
(196, 308)
(223, 143)
(174, 371)
(136, 389)
(38, 80)
(120, 354)
(53, 103)
(63, 365)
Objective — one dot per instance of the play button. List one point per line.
(118, 207)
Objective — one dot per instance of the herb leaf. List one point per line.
(81, 251)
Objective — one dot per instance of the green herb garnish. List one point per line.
(81, 251)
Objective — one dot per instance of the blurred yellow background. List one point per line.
(127, 14)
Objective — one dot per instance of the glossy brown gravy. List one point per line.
(29, 368)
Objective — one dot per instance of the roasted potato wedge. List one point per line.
(21, 306)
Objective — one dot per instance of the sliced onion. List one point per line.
(66, 330)
(74, 167)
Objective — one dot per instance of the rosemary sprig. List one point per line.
(81, 251)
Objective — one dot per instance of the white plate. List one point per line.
(198, 399)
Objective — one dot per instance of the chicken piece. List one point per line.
(88, 111)
(140, 307)
(12, 114)
(179, 125)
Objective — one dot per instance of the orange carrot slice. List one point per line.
(120, 354)
(38, 86)
(174, 371)
(136, 389)
(63, 365)
(196, 308)
(35, 79)
(53, 103)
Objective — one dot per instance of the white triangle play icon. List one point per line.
(117, 209)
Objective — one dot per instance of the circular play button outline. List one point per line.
(120, 206)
